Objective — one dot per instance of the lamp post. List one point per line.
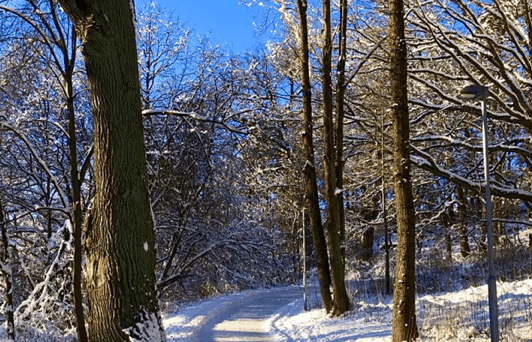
(480, 93)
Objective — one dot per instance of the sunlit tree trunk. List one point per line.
(120, 240)
(318, 235)
(404, 327)
(332, 194)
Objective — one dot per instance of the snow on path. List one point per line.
(248, 320)
(251, 311)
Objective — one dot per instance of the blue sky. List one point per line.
(228, 22)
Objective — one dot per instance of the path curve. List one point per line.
(248, 320)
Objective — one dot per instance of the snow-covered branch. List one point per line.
(196, 116)
(426, 162)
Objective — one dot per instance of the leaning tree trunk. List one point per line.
(120, 240)
(318, 236)
(404, 327)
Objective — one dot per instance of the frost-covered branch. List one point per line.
(196, 116)
(426, 162)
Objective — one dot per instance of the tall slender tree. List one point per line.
(120, 241)
(340, 114)
(318, 235)
(404, 327)
(332, 192)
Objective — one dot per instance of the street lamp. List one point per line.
(480, 93)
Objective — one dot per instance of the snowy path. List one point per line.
(248, 320)
(277, 315)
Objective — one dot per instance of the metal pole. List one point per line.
(492, 285)
(305, 305)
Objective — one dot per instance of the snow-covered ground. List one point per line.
(278, 315)
(457, 316)
(190, 324)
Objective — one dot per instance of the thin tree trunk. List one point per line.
(332, 194)
(120, 240)
(404, 327)
(340, 95)
(5, 268)
(76, 206)
(462, 229)
(386, 242)
(385, 215)
(312, 198)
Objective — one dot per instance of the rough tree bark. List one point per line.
(120, 241)
(404, 327)
(318, 236)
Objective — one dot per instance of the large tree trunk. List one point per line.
(312, 198)
(404, 327)
(332, 194)
(120, 241)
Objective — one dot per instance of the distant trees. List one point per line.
(165, 53)
(490, 50)
(213, 135)
(41, 117)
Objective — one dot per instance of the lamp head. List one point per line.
(474, 92)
